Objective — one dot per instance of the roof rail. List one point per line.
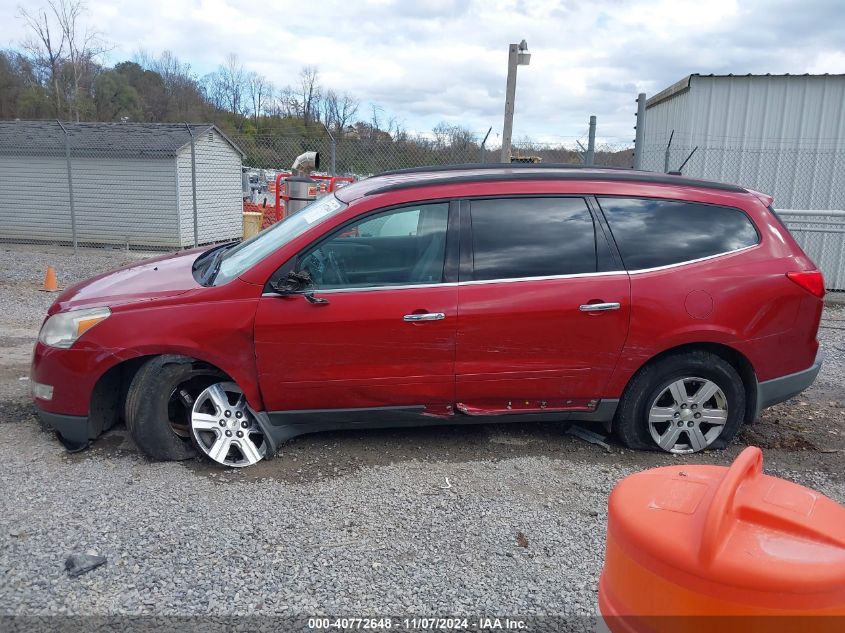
(622, 175)
(478, 166)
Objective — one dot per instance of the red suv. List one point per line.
(673, 309)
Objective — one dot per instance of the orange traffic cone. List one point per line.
(51, 284)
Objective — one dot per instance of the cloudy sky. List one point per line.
(426, 61)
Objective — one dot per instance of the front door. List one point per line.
(543, 307)
(382, 332)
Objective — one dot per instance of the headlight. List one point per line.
(62, 329)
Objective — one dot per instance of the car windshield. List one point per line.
(246, 254)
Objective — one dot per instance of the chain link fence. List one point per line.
(797, 176)
(822, 236)
(165, 186)
(365, 156)
(116, 185)
(170, 186)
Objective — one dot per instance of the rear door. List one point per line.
(543, 306)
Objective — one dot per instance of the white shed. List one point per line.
(781, 134)
(132, 183)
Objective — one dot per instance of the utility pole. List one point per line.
(518, 55)
(591, 143)
(639, 137)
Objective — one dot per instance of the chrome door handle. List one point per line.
(427, 316)
(599, 307)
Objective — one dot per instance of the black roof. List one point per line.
(497, 172)
(152, 140)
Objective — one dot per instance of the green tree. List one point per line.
(114, 97)
(153, 99)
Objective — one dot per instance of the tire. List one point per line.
(653, 413)
(150, 405)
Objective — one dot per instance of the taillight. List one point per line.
(812, 281)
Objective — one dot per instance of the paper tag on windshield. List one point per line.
(321, 209)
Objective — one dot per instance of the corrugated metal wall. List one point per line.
(219, 190)
(784, 135)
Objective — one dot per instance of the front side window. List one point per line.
(240, 258)
(652, 233)
(405, 246)
(532, 237)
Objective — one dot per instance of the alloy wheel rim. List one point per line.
(224, 427)
(688, 415)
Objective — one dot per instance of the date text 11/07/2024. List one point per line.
(417, 624)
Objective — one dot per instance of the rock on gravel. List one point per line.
(78, 564)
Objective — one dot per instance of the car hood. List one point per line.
(156, 278)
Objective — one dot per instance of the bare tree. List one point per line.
(83, 45)
(181, 89)
(461, 138)
(375, 122)
(286, 103)
(309, 94)
(233, 79)
(339, 110)
(212, 87)
(46, 47)
(441, 134)
(173, 72)
(395, 129)
(260, 91)
(226, 86)
(454, 136)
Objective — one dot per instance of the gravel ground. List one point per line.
(501, 519)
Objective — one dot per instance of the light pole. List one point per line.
(518, 55)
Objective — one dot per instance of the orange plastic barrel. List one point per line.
(707, 548)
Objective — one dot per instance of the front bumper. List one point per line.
(74, 431)
(70, 375)
(771, 392)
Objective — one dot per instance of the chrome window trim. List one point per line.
(480, 282)
(369, 288)
(640, 271)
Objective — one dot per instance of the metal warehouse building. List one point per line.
(132, 183)
(781, 134)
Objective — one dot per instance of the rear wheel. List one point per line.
(683, 403)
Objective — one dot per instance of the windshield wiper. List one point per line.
(211, 262)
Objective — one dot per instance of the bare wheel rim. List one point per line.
(224, 427)
(688, 415)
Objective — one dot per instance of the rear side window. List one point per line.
(652, 233)
(532, 237)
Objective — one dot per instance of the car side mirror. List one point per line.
(294, 282)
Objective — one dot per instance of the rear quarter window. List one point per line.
(652, 233)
